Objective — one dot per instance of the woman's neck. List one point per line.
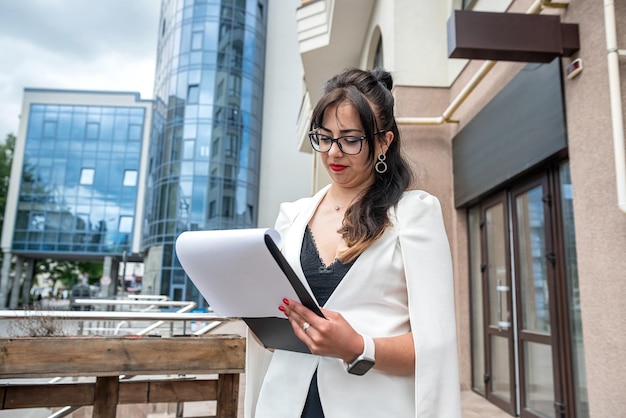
(343, 197)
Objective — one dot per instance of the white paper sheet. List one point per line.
(235, 272)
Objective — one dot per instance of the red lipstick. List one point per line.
(337, 167)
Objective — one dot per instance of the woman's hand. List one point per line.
(331, 336)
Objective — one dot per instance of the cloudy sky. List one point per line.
(74, 44)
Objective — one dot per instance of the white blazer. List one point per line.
(402, 283)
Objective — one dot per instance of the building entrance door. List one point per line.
(535, 290)
(522, 367)
(497, 280)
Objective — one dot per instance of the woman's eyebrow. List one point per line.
(343, 131)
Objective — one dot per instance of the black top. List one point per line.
(323, 281)
(321, 278)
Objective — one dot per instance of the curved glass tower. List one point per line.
(205, 145)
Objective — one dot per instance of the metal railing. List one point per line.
(140, 309)
(110, 322)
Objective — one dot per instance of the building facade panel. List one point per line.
(206, 136)
(79, 181)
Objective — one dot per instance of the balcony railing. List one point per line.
(107, 369)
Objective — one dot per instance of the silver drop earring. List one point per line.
(381, 165)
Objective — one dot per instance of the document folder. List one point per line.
(242, 273)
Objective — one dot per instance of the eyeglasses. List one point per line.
(349, 144)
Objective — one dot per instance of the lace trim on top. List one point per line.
(322, 279)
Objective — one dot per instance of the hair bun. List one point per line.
(383, 77)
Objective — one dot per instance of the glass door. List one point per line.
(499, 345)
(527, 351)
(534, 288)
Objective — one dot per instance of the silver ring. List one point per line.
(305, 326)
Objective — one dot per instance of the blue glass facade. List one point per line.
(78, 191)
(205, 150)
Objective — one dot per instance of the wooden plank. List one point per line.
(106, 396)
(133, 392)
(227, 396)
(94, 356)
(179, 390)
(56, 395)
(48, 395)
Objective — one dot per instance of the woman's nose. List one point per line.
(335, 150)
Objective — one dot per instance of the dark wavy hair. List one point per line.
(369, 91)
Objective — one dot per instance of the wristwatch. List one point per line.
(365, 361)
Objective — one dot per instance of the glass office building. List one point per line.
(206, 130)
(77, 184)
(78, 191)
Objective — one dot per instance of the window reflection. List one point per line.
(71, 196)
(209, 72)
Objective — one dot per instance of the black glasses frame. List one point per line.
(355, 138)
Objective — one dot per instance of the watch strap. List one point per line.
(369, 348)
(369, 352)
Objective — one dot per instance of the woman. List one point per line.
(377, 259)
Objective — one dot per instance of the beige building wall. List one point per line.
(600, 224)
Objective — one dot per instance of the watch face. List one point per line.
(361, 367)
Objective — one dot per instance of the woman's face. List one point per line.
(350, 171)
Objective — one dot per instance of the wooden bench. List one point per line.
(107, 359)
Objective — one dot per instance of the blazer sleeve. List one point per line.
(428, 270)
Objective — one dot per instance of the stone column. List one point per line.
(28, 281)
(4, 278)
(108, 282)
(15, 289)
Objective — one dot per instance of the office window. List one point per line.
(227, 206)
(234, 115)
(188, 147)
(230, 146)
(250, 212)
(134, 132)
(37, 221)
(193, 93)
(212, 209)
(196, 41)
(126, 224)
(86, 176)
(93, 130)
(215, 147)
(130, 177)
(224, 30)
(49, 129)
(220, 89)
(234, 85)
(228, 171)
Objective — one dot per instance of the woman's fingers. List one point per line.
(322, 335)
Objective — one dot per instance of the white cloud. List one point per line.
(75, 45)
